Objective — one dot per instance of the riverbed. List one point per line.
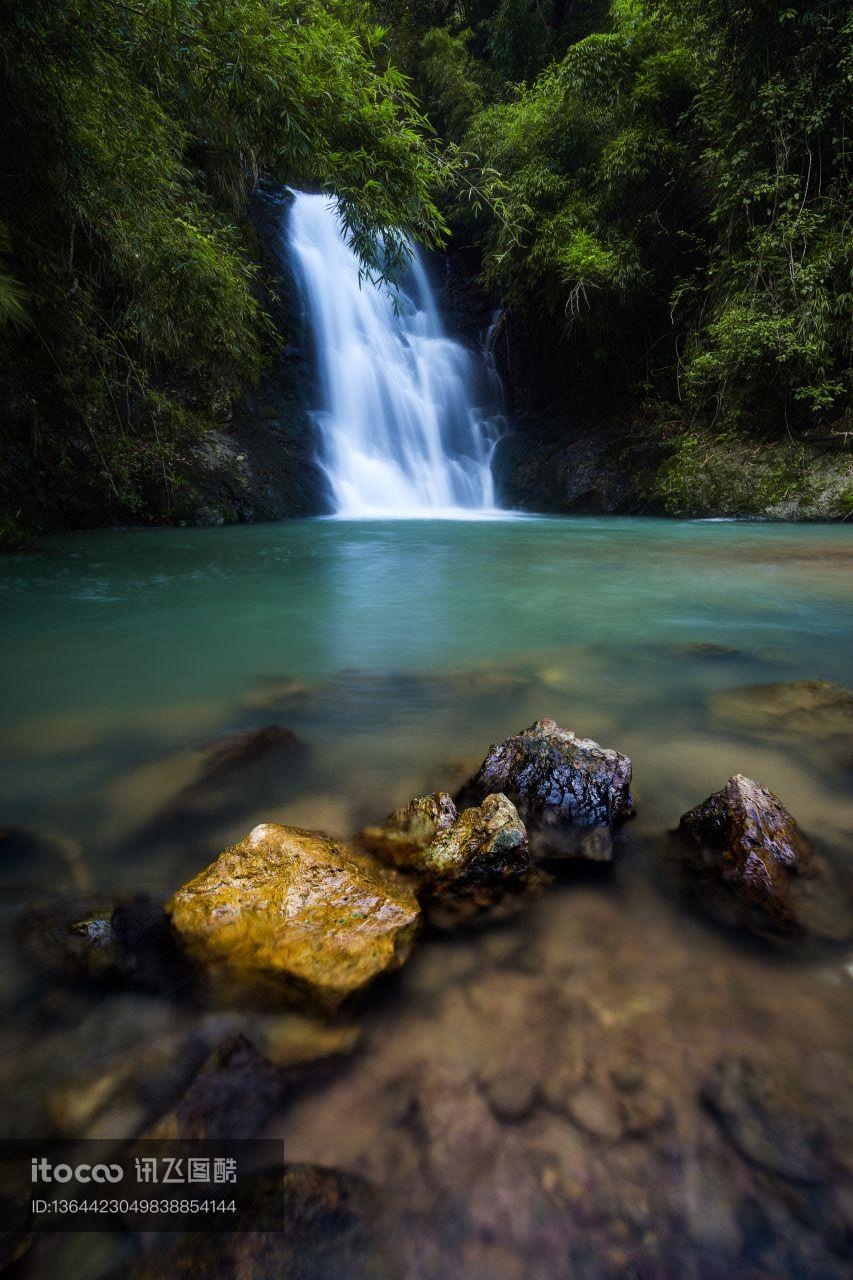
(395, 653)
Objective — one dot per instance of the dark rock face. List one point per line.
(231, 1097)
(263, 464)
(748, 850)
(125, 944)
(567, 463)
(569, 791)
(239, 775)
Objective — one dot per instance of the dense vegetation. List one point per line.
(682, 174)
(132, 133)
(674, 225)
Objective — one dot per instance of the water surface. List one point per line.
(397, 652)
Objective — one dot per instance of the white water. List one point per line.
(402, 421)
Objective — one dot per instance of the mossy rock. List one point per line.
(290, 913)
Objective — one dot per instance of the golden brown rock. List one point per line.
(289, 910)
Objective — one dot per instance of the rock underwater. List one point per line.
(569, 791)
(289, 912)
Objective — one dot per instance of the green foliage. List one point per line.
(593, 153)
(772, 109)
(681, 178)
(132, 132)
(450, 81)
(521, 38)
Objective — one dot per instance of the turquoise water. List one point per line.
(398, 651)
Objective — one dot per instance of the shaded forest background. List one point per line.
(655, 196)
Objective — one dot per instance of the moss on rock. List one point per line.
(290, 912)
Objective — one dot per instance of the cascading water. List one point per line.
(401, 429)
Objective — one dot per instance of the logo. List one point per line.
(44, 1171)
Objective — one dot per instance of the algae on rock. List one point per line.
(290, 911)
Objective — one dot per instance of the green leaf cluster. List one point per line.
(130, 308)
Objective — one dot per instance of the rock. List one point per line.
(711, 1214)
(334, 1226)
(409, 830)
(289, 912)
(470, 901)
(595, 1112)
(33, 858)
(569, 791)
(746, 852)
(127, 943)
(794, 707)
(487, 842)
(238, 776)
(118, 1097)
(292, 1039)
(232, 1096)
(765, 1122)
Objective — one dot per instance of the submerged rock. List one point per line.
(118, 1096)
(238, 776)
(569, 791)
(793, 707)
(746, 851)
(31, 857)
(126, 943)
(288, 911)
(232, 1096)
(766, 1122)
(334, 1225)
(409, 830)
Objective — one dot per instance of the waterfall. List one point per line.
(403, 417)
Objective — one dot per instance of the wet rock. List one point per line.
(487, 842)
(126, 943)
(232, 1096)
(288, 912)
(766, 1122)
(408, 831)
(569, 791)
(469, 901)
(745, 853)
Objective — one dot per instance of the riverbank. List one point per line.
(575, 460)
